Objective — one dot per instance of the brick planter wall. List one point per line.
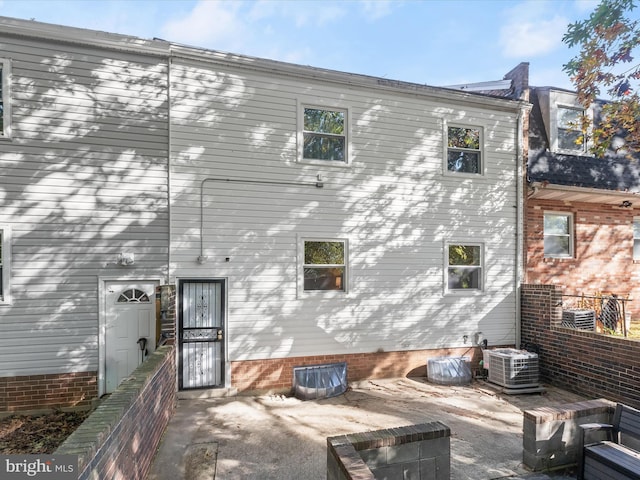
(39, 393)
(119, 439)
(588, 363)
(416, 451)
(277, 373)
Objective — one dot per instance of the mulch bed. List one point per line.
(40, 434)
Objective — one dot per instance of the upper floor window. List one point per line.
(324, 134)
(464, 267)
(464, 152)
(5, 264)
(324, 265)
(569, 129)
(636, 238)
(5, 77)
(558, 235)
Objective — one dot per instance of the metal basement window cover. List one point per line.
(320, 381)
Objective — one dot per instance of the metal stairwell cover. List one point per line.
(320, 381)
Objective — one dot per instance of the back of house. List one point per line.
(300, 216)
(84, 216)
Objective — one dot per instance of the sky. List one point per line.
(433, 42)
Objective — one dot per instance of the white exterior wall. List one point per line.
(82, 178)
(393, 204)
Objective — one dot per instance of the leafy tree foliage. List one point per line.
(606, 65)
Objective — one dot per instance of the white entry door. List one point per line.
(130, 329)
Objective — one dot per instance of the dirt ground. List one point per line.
(40, 434)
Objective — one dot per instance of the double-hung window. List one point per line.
(636, 238)
(324, 134)
(5, 264)
(5, 107)
(464, 270)
(569, 131)
(324, 266)
(464, 152)
(558, 235)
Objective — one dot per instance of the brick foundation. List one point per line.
(589, 363)
(277, 374)
(37, 393)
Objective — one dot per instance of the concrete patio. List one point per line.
(279, 437)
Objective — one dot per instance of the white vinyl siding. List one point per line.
(393, 205)
(84, 178)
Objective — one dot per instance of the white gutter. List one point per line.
(169, 175)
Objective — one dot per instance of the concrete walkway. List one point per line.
(281, 438)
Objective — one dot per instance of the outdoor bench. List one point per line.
(614, 458)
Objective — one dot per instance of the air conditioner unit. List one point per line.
(512, 368)
(583, 319)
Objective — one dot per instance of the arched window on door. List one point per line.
(133, 295)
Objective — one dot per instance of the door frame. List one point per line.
(102, 322)
(226, 366)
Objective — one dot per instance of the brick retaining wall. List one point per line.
(416, 451)
(39, 393)
(119, 439)
(589, 363)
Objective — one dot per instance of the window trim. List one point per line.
(584, 149)
(320, 105)
(465, 291)
(5, 134)
(5, 238)
(481, 149)
(636, 220)
(571, 234)
(301, 265)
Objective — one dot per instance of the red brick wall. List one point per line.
(47, 392)
(120, 438)
(277, 374)
(603, 251)
(589, 363)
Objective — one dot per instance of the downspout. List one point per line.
(519, 221)
(169, 176)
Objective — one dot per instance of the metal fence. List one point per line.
(604, 313)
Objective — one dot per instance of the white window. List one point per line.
(324, 265)
(324, 135)
(636, 238)
(569, 121)
(464, 270)
(5, 106)
(558, 234)
(464, 152)
(5, 264)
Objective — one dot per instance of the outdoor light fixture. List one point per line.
(626, 204)
(126, 259)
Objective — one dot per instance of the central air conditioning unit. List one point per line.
(583, 319)
(511, 368)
